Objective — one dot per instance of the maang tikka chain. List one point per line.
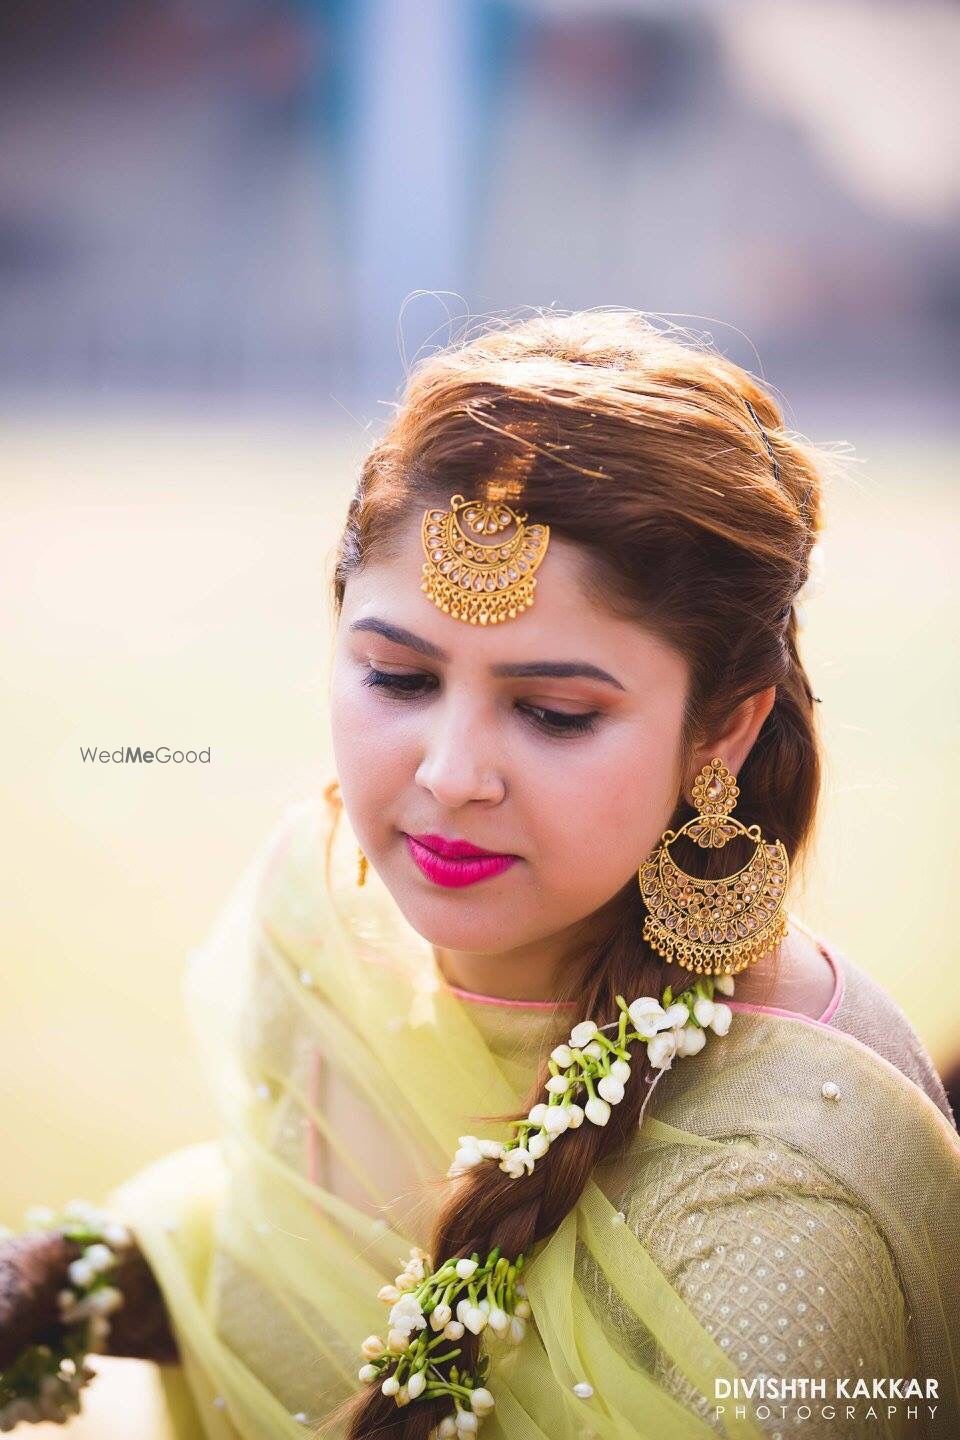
(715, 927)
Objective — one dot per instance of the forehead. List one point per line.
(565, 621)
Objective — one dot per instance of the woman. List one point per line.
(567, 702)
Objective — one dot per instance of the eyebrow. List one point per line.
(536, 669)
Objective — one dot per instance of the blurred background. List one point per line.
(227, 227)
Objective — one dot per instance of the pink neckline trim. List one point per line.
(477, 999)
(838, 987)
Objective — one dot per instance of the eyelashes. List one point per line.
(550, 722)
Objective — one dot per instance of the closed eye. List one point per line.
(415, 684)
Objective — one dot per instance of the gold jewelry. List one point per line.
(362, 864)
(715, 926)
(481, 584)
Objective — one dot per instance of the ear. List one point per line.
(736, 741)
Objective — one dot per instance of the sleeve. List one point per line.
(785, 1270)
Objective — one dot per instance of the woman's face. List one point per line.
(553, 738)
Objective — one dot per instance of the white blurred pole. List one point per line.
(413, 103)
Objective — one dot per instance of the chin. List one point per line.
(452, 923)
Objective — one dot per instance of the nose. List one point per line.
(460, 759)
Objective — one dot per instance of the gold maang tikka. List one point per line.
(715, 927)
(483, 584)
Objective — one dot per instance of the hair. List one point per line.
(696, 511)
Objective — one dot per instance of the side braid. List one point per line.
(488, 1209)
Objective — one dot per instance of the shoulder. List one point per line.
(778, 1260)
(871, 1015)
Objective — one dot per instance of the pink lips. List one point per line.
(455, 862)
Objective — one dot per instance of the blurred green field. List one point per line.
(167, 584)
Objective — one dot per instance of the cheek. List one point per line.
(374, 756)
(611, 810)
(363, 753)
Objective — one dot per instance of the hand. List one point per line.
(33, 1270)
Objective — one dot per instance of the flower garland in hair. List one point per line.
(427, 1317)
(594, 1063)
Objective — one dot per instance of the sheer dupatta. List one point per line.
(345, 1070)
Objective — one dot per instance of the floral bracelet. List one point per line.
(44, 1382)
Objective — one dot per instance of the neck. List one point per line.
(544, 970)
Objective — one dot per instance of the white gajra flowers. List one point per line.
(589, 1073)
(432, 1310)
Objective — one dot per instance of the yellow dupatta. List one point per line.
(271, 1275)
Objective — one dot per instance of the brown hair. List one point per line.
(670, 466)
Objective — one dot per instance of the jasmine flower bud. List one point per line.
(99, 1257)
(581, 1034)
(81, 1273)
(465, 1268)
(703, 1011)
(481, 1401)
(556, 1120)
(596, 1110)
(722, 1015)
(611, 1089)
(562, 1055)
(367, 1373)
(690, 1039)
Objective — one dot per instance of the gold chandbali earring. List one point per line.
(715, 927)
(482, 584)
(362, 864)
